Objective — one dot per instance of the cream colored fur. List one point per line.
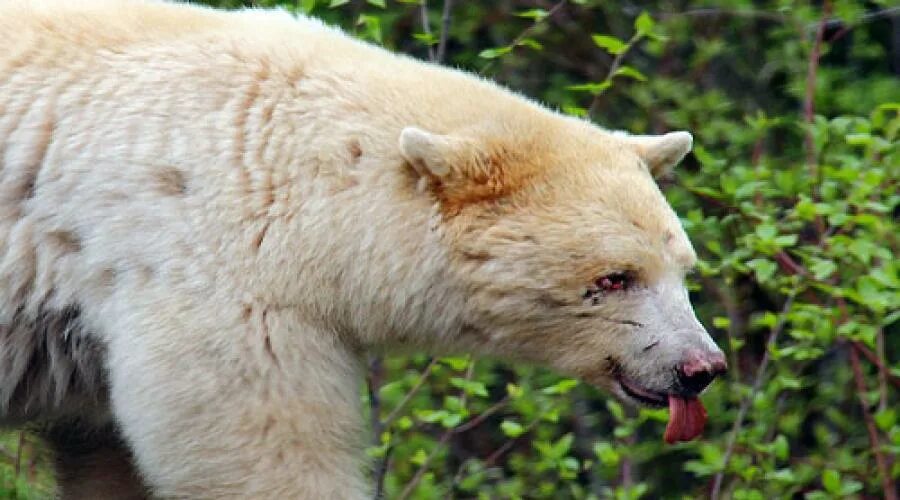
(239, 205)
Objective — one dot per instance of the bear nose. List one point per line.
(699, 369)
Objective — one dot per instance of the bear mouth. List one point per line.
(642, 394)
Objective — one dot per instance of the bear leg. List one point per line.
(237, 402)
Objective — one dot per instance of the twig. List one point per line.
(745, 404)
(883, 374)
(736, 325)
(373, 382)
(809, 112)
(18, 467)
(491, 460)
(789, 264)
(426, 28)
(527, 31)
(423, 467)
(475, 422)
(756, 14)
(887, 482)
(613, 67)
(776, 17)
(381, 473)
(445, 32)
(876, 360)
(409, 395)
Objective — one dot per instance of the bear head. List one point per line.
(569, 255)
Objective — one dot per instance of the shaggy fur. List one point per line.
(207, 218)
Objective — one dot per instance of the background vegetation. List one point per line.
(791, 198)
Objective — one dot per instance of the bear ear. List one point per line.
(662, 152)
(432, 154)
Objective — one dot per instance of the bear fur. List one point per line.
(208, 218)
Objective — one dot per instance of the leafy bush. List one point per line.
(791, 198)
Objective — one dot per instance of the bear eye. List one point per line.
(613, 282)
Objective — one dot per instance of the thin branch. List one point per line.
(423, 467)
(876, 360)
(491, 460)
(381, 473)
(426, 28)
(373, 383)
(755, 14)
(445, 32)
(883, 374)
(736, 325)
(18, 465)
(475, 422)
(409, 395)
(745, 404)
(809, 112)
(616, 63)
(526, 32)
(887, 482)
(776, 17)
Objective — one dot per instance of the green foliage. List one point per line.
(793, 216)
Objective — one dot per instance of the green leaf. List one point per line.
(512, 429)
(513, 390)
(531, 44)
(377, 3)
(630, 73)
(426, 38)
(561, 387)
(612, 44)
(337, 3)
(721, 322)
(831, 480)
(764, 269)
(593, 88)
(781, 447)
(457, 363)
(451, 420)
(885, 419)
(644, 24)
(606, 453)
(616, 409)
(371, 25)
(536, 14)
(307, 6)
(494, 53)
(766, 231)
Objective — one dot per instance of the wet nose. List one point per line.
(699, 369)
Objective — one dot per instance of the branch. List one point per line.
(426, 28)
(527, 31)
(445, 31)
(409, 395)
(616, 63)
(876, 360)
(809, 113)
(499, 452)
(887, 482)
(745, 404)
(423, 468)
(475, 422)
(373, 382)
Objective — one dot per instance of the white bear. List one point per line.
(207, 218)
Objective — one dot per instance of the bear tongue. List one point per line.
(687, 417)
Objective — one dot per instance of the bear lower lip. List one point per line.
(641, 394)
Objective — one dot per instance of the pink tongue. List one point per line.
(687, 416)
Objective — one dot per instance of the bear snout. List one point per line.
(699, 368)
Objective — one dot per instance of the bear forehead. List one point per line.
(585, 192)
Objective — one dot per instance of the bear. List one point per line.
(208, 218)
